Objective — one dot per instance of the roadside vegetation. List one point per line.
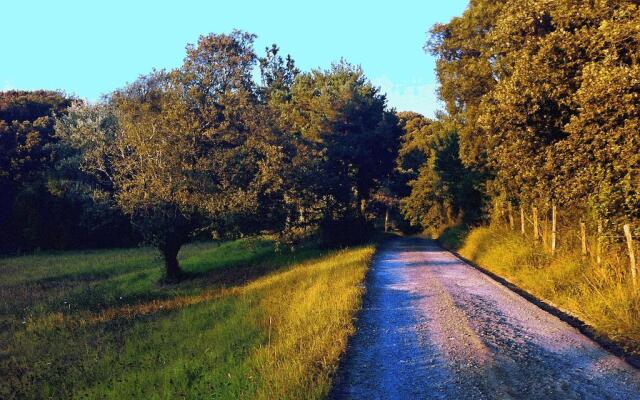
(248, 323)
(602, 296)
(540, 135)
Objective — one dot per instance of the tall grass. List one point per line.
(250, 323)
(602, 296)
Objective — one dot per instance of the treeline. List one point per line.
(37, 208)
(543, 107)
(198, 151)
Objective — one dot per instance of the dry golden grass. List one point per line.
(309, 311)
(602, 296)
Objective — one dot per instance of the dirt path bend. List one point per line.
(434, 327)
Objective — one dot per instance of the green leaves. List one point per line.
(547, 96)
(443, 190)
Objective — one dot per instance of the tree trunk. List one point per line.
(170, 255)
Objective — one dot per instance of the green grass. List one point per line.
(250, 323)
(454, 237)
(603, 296)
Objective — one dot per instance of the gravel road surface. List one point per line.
(433, 327)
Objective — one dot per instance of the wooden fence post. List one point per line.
(553, 228)
(632, 254)
(583, 235)
(536, 232)
(544, 222)
(386, 220)
(522, 220)
(511, 221)
(599, 244)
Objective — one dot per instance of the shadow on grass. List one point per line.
(260, 261)
(135, 278)
(156, 333)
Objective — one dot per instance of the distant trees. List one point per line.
(26, 132)
(445, 161)
(26, 135)
(35, 209)
(443, 191)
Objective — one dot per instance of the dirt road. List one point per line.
(434, 327)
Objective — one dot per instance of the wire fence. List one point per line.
(559, 231)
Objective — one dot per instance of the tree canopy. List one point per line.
(546, 94)
(206, 148)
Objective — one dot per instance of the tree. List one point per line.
(278, 75)
(467, 70)
(299, 204)
(443, 189)
(191, 151)
(83, 173)
(548, 144)
(417, 135)
(26, 158)
(546, 95)
(26, 133)
(345, 118)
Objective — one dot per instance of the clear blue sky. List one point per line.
(89, 48)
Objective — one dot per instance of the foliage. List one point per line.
(36, 209)
(204, 148)
(188, 150)
(547, 95)
(343, 118)
(26, 121)
(443, 190)
(454, 237)
(466, 71)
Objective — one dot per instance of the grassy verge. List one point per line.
(454, 237)
(251, 323)
(602, 296)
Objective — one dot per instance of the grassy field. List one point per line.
(603, 296)
(249, 323)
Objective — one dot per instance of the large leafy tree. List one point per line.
(193, 149)
(200, 154)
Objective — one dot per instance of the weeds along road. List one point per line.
(434, 327)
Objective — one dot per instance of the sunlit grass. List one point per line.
(251, 323)
(603, 296)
